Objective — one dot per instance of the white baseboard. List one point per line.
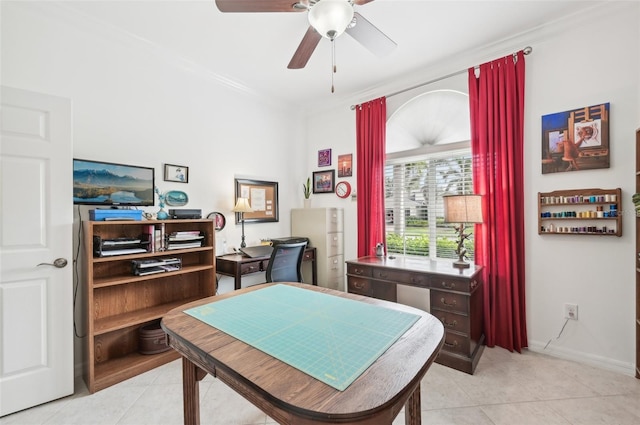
(590, 359)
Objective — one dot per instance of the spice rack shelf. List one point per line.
(580, 212)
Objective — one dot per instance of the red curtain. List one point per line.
(371, 122)
(497, 117)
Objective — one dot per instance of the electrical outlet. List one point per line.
(571, 311)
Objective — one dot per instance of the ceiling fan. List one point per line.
(327, 18)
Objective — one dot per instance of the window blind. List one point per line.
(413, 203)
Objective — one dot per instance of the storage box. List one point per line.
(115, 214)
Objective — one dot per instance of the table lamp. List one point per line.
(242, 206)
(462, 209)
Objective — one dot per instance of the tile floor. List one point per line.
(507, 388)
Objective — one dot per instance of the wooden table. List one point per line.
(237, 265)
(290, 396)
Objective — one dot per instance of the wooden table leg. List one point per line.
(412, 414)
(190, 393)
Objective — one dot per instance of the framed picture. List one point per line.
(344, 165)
(324, 181)
(324, 157)
(576, 140)
(263, 198)
(176, 173)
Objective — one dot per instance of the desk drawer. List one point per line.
(358, 270)
(372, 288)
(453, 321)
(399, 276)
(309, 255)
(456, 343)
(360, 286)
(448, 301)
(453, 284)
(253, 267)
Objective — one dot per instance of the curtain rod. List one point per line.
(527, 50)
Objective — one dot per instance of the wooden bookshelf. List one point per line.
(119, 303)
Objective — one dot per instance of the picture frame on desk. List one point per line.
(263, 198)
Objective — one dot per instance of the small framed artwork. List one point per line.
(176, 173)
(324, 157)
(324, 181)
(344, 165)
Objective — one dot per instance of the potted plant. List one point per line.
(306, 191)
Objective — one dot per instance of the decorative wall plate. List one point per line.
(176, 198)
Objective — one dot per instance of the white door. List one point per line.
(36, 218)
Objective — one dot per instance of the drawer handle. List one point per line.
(453, 345)
(383, 275)
(450, 325)
(444, 302)
(416, 279)
(474, 283)
(358, 285)
(445, 286)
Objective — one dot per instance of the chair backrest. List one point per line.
(285, 264)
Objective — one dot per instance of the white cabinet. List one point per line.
(325, 229)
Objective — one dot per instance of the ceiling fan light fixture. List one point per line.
(331, 17)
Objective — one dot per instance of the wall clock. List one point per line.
(343, 189)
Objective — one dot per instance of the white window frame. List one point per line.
(398, 199)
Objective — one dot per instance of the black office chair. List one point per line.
(285, 264)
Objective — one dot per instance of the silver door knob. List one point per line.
(58, 263)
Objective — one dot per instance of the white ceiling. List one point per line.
(251, 50)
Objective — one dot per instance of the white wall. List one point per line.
(139, 105)
(569, 68)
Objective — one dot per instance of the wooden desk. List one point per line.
(455, 298)
(236, 265)
(290, 396)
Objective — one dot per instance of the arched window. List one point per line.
(428, 156)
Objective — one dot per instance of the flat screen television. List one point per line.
(111, 184)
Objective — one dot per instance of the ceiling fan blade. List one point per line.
(231, 6)
(370, 36)
(361, 2)
(305, 49)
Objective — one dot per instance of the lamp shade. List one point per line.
(242, 206)
(331, 17)
(462, 208)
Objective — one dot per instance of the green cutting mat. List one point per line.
(330, 338)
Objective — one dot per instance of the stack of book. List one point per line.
(155, 265)
(185, 239)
